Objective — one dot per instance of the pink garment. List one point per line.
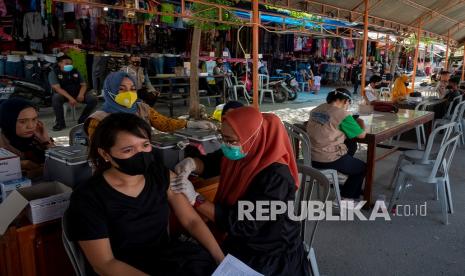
(324, 47)
(3, 10)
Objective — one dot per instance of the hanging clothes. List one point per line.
(128, 34)
(33, 26)
(79, 61)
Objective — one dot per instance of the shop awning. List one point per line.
(440, 18)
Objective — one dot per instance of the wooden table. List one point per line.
(171, 81)
(382, 127)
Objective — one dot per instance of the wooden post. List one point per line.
(446, 65)
(365, 47)
(256, 22)
(463, 64)
(415, 61)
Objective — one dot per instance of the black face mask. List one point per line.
(135, 165)
(378, 86)
(406, 83)
(136, 63)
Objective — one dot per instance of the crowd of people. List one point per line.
(120, 216)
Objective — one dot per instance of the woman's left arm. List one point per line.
(191, 221)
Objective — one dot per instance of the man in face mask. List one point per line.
(69, 86)
(145, 90)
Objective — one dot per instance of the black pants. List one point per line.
(351, 166)
(58, 100)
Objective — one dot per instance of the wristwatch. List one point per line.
(199, 200)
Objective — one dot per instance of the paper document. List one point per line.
(231, 266)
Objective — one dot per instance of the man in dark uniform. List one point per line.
(69, 87)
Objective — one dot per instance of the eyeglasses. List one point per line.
(230, 143)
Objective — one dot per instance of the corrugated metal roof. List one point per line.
(438, 16)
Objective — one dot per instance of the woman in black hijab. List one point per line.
(23, 134)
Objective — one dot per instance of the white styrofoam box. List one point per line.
(10, 166)
(6, 187)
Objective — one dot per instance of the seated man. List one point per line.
(70, 87)
(444, 77)
(370, 93)
(452, 90)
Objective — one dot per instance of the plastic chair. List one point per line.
(66, 106)
(77, 258)
(239, 85)
(426, 156)
(301, 145)
(435, 174)
(420, 130)
(457, 117)
(454, 102)
(78, 136)
(385, 93)
(264, 87)
(314, 186)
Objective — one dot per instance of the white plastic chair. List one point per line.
(77, 136)
(435, 174)
(420, 130)
(297, 135)
(426, 156)
(454, 103)
(314, 186)
(385, 93)
(264, 87)
(66, 106)
(240, 85)
(457, 117)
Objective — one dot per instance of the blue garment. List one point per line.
(2, 65)
(157, 64)
(30, 69)
(14, 69)
(111, 89)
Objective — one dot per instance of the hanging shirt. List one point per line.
(33, 26)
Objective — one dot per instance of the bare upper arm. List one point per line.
(98, 252)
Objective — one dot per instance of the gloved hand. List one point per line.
(180, 184)
(201, 125)
(185, 167)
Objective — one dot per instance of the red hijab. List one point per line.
(264, 139)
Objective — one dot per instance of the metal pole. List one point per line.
(256, 22)
(365, 46)
(463, 64)
(415, 61)
(447, 52)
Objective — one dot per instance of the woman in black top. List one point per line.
(256, 164)
(120, 217)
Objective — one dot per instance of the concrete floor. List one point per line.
(413, 245)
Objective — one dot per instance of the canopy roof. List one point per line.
(438, 17)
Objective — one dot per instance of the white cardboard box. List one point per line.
(10, 166)
(6, 187)
(45, 201)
